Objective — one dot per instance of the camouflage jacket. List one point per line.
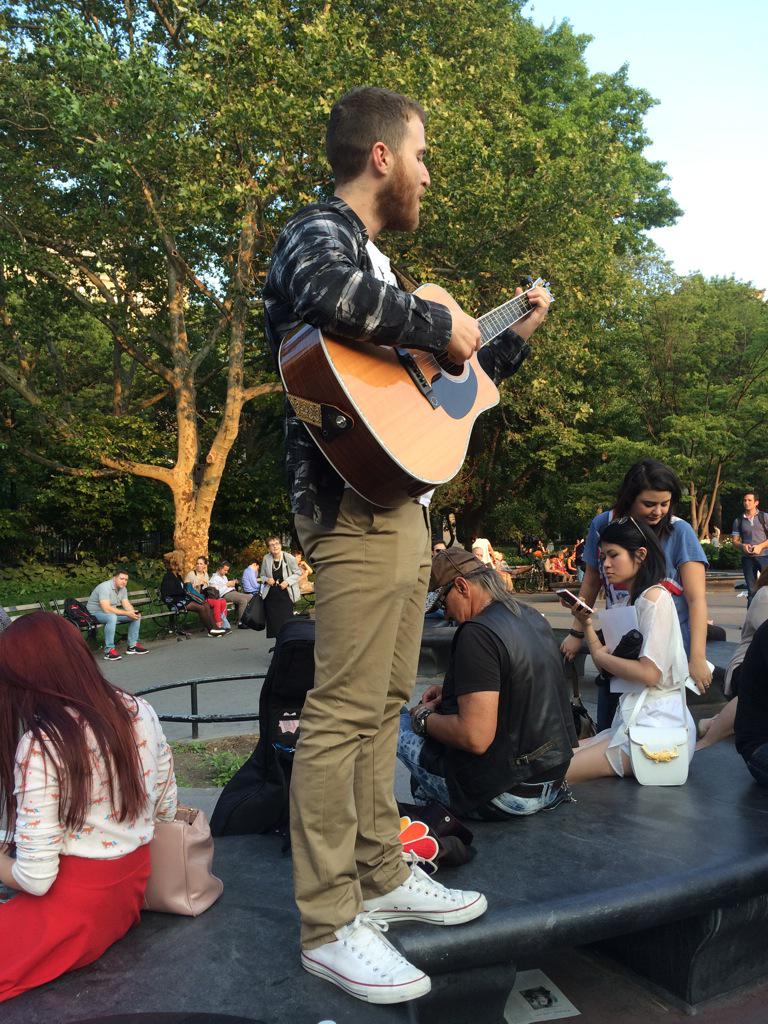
(321, 274)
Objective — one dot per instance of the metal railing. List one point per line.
(194, 718)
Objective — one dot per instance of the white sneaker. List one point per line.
(421, 898)
(366, 965)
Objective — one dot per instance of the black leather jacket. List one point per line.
(535, 732)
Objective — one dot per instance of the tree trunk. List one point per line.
(193, 507)
(714, 501)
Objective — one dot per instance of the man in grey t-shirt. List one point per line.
(109, 604)
(750, 533)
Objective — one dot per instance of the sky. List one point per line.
(707, 65)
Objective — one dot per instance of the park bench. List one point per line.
(670, 881)
(15, 611)
(142, 600)
(152, 609)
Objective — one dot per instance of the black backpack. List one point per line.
(255, 800)
(79, 616)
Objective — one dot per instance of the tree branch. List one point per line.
(261, 389)
(60, 467)
(161, 473)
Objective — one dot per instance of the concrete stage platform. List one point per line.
(623, 860)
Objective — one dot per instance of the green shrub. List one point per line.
(224, 764)
(40, 581)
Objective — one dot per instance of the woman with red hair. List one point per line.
(78, 794)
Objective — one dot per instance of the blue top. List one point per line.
(681, 545)
(249, 581)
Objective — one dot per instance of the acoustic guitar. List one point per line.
(394, 422)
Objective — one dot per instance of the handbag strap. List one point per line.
(569, 668)
(641, 701)
(166, 787)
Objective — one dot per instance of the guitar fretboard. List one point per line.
(492, 324)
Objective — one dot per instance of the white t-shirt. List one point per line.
(220, 582)
(41, 838)
(382, 269)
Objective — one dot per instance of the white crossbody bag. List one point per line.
(659, 756)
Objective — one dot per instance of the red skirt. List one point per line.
(91, 904)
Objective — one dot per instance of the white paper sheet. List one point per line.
(615, 623)
(536, 998)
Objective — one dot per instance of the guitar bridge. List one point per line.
(411, 367)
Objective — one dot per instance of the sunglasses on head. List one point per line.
(629, 519)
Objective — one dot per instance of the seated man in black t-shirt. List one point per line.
(496, 738)
(751, 725)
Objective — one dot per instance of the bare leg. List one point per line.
(720, 727)
(590, 763)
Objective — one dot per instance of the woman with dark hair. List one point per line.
(650, 493)
(82, 765)
(632, 558)
(179, 599)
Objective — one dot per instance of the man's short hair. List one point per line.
(753, 493)
(274, 537)
(223, 565)
(120, 571)
(360, 118)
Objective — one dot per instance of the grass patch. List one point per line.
(203, 763)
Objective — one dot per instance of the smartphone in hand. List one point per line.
(573, 601)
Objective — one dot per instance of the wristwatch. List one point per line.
(419, 720)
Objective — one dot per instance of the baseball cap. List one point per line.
(447, 565)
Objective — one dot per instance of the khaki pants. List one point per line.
(371, 574)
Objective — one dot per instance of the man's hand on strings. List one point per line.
(465, 337)
(540, 299)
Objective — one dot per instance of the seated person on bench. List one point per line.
(226, 588)
(180, 600)
(751, 725)
(496, 738)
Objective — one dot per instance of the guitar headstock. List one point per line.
(529, 283)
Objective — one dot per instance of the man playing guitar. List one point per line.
(349, 874)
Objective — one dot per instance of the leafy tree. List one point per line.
(681, 376)
(150, 153)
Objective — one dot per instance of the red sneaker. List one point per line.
(112, 655)
(137, 649)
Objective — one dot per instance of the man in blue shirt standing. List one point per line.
(750, 533)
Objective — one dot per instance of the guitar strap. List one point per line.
(404, 279)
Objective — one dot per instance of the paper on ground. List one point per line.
(536, 998)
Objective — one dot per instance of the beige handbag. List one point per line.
(181, 853)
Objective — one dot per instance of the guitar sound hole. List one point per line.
(450, 368)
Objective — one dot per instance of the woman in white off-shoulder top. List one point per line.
(634, 560)
(78, 794)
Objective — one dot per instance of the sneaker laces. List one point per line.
(364, 937)
(421, 883)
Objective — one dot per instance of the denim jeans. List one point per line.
(434, 787)
(110, 621)
(758, 765)
(752, 566)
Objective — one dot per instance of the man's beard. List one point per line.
(397, 205)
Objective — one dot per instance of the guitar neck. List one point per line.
(508, 313)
